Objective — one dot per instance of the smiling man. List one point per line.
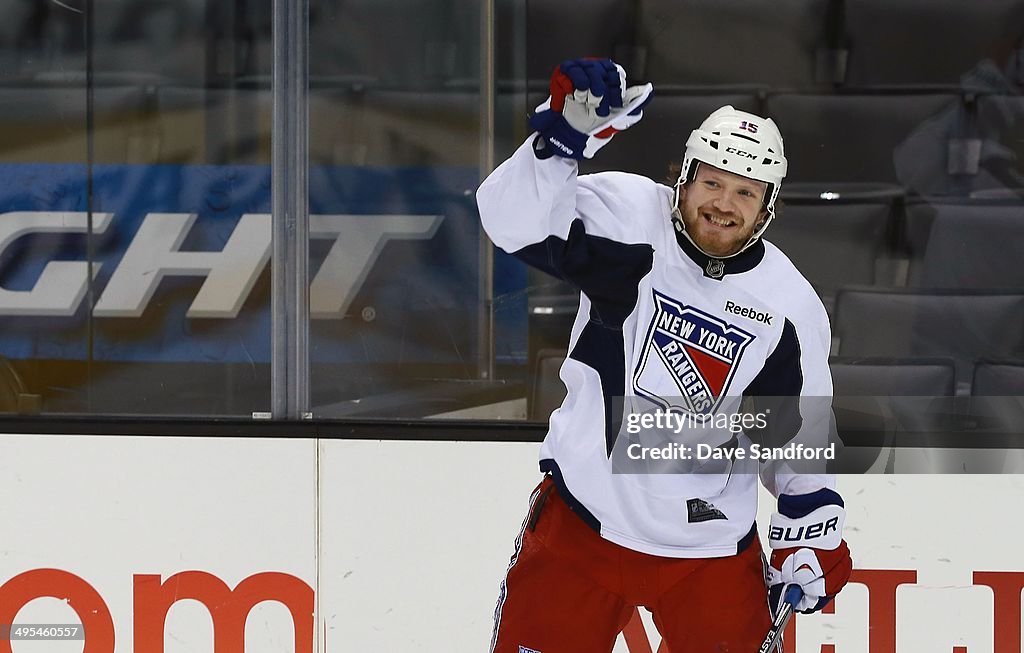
(684, 310)
(729, 181)
(721, 211)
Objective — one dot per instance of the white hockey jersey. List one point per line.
(660, 324)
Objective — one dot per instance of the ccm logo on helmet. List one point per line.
(800, 533)
(733, 150)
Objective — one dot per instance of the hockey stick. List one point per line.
(774, 636)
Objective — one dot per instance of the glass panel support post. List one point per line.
(485, 321)
(290, 211)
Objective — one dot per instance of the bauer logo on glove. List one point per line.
(588, 105)
(797, 533)
(808, 549)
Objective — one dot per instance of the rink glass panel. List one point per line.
(133, 143)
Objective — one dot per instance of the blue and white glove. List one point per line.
(808, 549)
(589, 103)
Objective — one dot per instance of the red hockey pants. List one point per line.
(568, 590)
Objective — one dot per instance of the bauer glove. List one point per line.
(808, 549)
(589, 103)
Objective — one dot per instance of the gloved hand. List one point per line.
(589, 103)
(808, 549)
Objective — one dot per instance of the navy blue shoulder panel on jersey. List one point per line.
(602, 348)
(781, 375)
(777, 388)
(607, 271)
(609, 274)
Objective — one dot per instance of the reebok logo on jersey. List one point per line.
(751, 313)
(688, 355)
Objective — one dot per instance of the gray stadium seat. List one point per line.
(157, 37)
(832, 244)
(884, 396)
(731, 41)
(557, 30)
(964, 325)
(849, 137)
(965, 245)
(399, 43)
(39, 38)
(152, 36)
(896, 377)
(999, 378)
(997, 397)
(925, 41)
(658, 141)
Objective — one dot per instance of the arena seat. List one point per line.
(965, 325)
(557, 30)
(847, 137)
(142, 37)
(402, 44)
(997, 403)
(878, 399)
(996, 378)
(965, 245)
(833, 244)
(731, 41)
(933, 42)
(896, 377)
(153, 36)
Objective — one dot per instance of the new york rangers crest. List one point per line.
(697, 351)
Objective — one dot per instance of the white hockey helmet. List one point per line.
(738, 142)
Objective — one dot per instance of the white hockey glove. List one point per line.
(588, 105)
(808, 549)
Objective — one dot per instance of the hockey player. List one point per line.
(685, 308)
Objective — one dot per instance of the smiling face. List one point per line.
(721, 210)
